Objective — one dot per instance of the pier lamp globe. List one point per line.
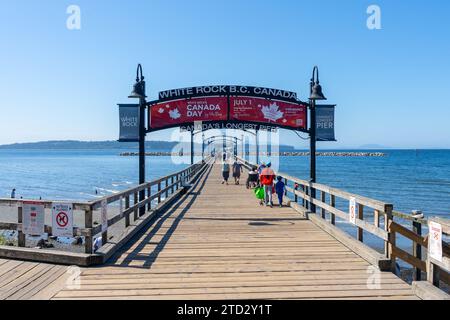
(316, 88)
(139, 87)
(317, 93)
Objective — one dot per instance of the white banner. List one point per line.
(104, 214)
(352, 210)
(62, 219)
(33, 217)
(435, 241)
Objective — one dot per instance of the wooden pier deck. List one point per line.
(218, 243)
(215, 242)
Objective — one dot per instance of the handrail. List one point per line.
(173, 184)
(301, 190)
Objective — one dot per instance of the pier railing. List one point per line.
(373, 217)
(158, 194)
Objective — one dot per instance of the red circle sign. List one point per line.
(62, 219)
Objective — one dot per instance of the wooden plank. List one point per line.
(359, 248)
(395, 227)
(20, 283)
(426, 291)
(405, 256)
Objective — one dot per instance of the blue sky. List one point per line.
(391, 85)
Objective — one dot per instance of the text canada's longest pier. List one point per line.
(221, 106)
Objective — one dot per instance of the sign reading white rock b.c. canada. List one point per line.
(104, 213)
(435, 241)
(62, 219)
(352, 210)
(33, 214)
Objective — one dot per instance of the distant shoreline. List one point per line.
(283, 154)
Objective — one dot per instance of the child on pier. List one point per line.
(279, 189)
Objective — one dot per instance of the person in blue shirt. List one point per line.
(279, 189)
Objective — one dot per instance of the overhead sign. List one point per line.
(282, 113)
(62, 219)
(352, 210)
(174, 113)
(129, 122)
(227, 90)
(435, 240)
(104, 215)
(33, 217)
(325, 123)
(232, 125)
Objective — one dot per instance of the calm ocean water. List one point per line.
(411, 180)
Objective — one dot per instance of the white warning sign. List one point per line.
(33, 216)
(62, 219)
(435, 241)
(352, 210)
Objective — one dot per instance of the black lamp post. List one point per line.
(139, 93)
(315, 94)
(203, 146)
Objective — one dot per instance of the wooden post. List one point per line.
(104, 237)
(390, 244)
(136, 201)
(376, 218)
(433, 273)
(333, 204)
(305, 201)
(149, 194)
(21, 236)
(417, 248)
(360, 217)
(172, 181)
(167, 190)
(127, 206)
(88, 223)
(323, 199)
(159, 192)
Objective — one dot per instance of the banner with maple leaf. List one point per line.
(171, 113)
(261, 110)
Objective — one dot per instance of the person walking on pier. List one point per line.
(279, 189)
(225, 172)
(13, 193)
(237, 170)
(266, 178)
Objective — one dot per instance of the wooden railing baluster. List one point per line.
(360, 235)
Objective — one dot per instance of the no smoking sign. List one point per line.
(62, 219)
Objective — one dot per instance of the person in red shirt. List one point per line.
(266, 178)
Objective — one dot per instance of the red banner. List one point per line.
(268, 111)
(188, 110)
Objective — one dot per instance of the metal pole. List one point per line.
(203, 146)
(257, 146)
(312, 135)
(192, 147)
(224, 148)
(243, 146)
(142, 105)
